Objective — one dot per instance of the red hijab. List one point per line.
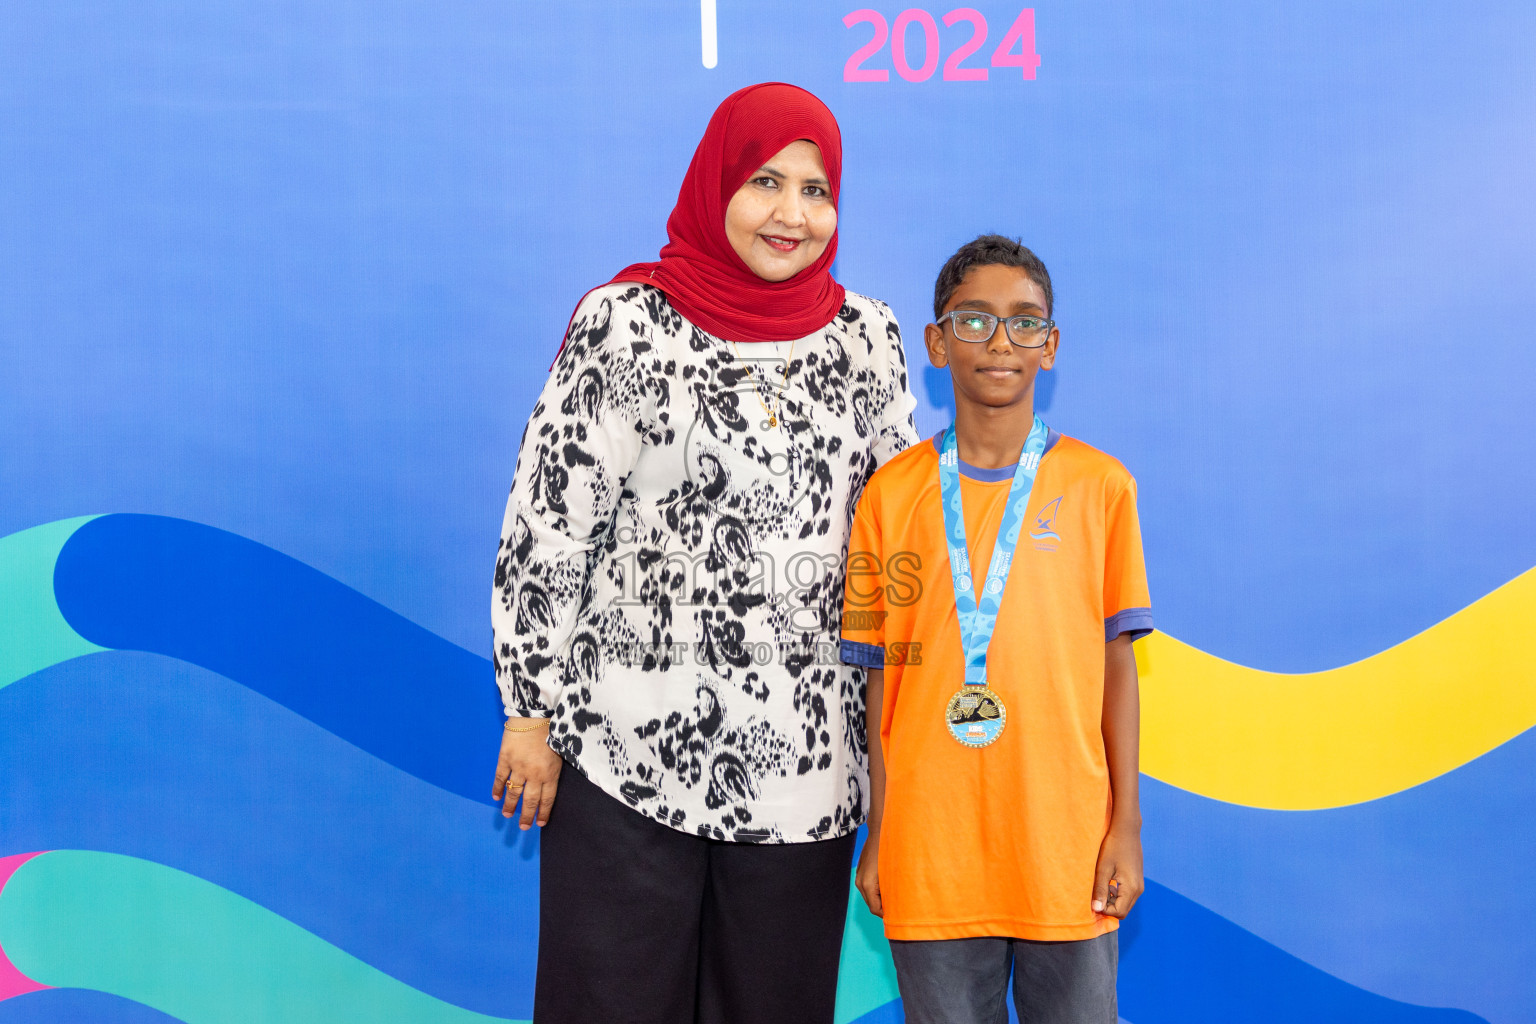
(699, 271)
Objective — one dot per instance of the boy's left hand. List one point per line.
(1117, 881)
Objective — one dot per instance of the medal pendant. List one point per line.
(975, 716)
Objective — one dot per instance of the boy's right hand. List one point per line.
(867, 878)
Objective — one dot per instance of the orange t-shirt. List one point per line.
(999, 840)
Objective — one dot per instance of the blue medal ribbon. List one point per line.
(978, 616)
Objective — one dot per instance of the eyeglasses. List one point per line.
(973, 325)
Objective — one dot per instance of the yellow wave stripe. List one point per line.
(1307, 741)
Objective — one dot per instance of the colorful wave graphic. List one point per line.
(315, 661)
(13, 982)
(459, 919)
(163, 938)
(430, 888)
(1326, 739)
(1224, 731)
(33, 633)
(1405, 896)
(300, 638)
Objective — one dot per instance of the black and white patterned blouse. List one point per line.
(670, 575)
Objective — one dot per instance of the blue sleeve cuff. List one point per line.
(1135, 621)
(867, 655)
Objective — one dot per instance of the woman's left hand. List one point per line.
(527, 769)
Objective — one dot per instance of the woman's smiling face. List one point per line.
(781, 220)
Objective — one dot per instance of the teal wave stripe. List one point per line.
(190, 949)
(866, 978)
(33, 633)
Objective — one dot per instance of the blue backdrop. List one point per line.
(279, 283)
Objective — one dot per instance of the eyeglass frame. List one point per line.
(1007, 321)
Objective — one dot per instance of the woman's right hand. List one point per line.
(867, 877)
(529, 769)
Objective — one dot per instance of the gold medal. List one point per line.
(975, 716)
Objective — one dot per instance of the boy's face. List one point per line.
(995, 372)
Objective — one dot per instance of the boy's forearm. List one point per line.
(1122, 733)
(874, 699)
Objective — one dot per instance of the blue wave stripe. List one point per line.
(138, 754)
(890, 1013)
(1411, 895)
(1182, 964)
(77, 1006)
(289, 632)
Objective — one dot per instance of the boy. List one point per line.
(1004, 825)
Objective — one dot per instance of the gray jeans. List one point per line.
(965, 981)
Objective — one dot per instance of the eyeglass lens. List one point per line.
(1026, 330)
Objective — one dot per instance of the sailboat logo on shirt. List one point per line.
(1045, 522)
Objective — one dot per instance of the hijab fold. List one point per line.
(698, 270)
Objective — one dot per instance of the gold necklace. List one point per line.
(772, 414)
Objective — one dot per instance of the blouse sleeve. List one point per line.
(896, 430)
(581, 443)
(863, 627)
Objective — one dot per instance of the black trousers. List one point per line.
(641, 923)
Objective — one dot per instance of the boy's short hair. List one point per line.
(989, 250)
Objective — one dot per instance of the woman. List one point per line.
(668, 589)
